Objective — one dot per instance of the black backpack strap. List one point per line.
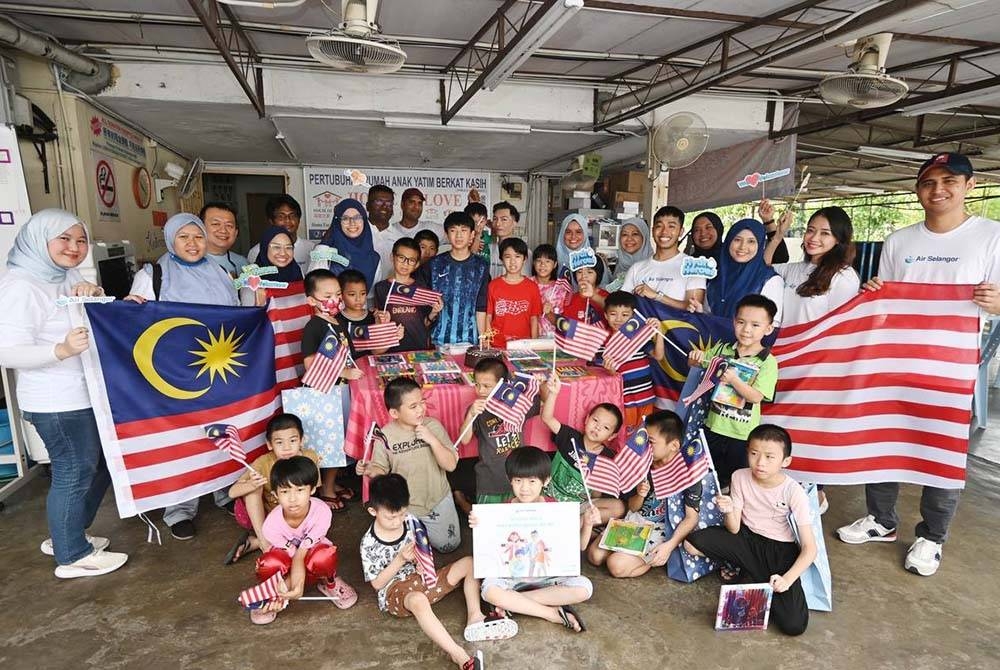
(157, 280)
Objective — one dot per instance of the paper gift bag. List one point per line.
(322, 416)
(681, 565)
(816, 580)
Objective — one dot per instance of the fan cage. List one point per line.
(353, 54)
(677, 145)
(862, 90)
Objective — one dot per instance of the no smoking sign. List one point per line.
(106, 190)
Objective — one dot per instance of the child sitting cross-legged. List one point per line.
(566, 484)
(549, 598)
(296, 532)
(254, 497)
(758, 536)
(665, 430)
(388, 558)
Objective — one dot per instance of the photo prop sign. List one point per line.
(64, 300)
(250, 277)
(328, 254)
(754, 179)
(526, 541)
(699, 267)
(358, 178)
(584, 258)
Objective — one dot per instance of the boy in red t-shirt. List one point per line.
(513, 304)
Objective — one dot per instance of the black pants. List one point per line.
(728, 454)
(759, 557)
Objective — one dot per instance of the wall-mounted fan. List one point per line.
(865, 84)
(186, 181)
(356, 45)
(676, 142)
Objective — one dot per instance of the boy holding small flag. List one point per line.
(630, 352)
(403, 300)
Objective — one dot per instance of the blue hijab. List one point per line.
(292, 271)
(360, 251)
(199, 282)
(736, 280)
(30, 252)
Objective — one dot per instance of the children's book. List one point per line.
(725, 394)
(441, 372)
(424, 356)
(567, 372)
(394, 369)
(522, 355)
(628, 537)
(529, 367)
(744, 607)
(388, 359)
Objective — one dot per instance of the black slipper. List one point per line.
(565, 612)
(239, 550)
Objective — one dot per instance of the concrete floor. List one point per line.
(172, 606)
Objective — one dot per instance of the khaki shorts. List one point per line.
(397, 592)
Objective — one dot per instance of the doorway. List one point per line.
(248, 194)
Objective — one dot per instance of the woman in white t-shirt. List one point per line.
(825, 280)
(41, 343)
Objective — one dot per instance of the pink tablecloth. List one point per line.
(448, 402)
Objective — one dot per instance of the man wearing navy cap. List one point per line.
(948, 247)
(412, 204)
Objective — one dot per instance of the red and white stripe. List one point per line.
(325, 370)
(289, 312)
(584, 343)
(880, 389)
(266, 590)
(620, 346)
(231, 444)
(676, 476)
(167, 464)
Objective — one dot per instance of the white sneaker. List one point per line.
(866, 530)
(98, 563)
(923, 557)
(97, 542)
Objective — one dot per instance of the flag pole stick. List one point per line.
(665, 338)
(388, 295)
(583, 476)
(711, 463)
(554, 348)
(469, 427)
(365, 455)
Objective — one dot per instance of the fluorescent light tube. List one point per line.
(887, 152)
(531, 40)
(858, 189)
(471, 126)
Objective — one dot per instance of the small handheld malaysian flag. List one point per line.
(628, 339)
(602, 472)
(411, 294)
(257, 595)
(579, 339)
(563, 280)
(374, 435)
(513, 400)
(375, 336)
(227, 438)
(692, 462)
(634, 459)
(327, 364)
(424, 552)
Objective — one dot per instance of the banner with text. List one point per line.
(446, 191)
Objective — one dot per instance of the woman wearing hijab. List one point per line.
(573, 237)
(185, 275)
(742, 271)
(43, 346)
(277, 250)
(706, 236)
(351, 235)
(633, 245)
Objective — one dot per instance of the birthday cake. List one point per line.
(475, 354)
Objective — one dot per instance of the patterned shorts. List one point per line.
(398, 591)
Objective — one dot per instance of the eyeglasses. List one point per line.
(281, 247)
(286, 216)
(406, 260)
(352, 219)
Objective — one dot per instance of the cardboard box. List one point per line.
(622, 197)
(579, 203)
(632, 181)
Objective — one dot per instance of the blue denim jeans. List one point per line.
(79, 478)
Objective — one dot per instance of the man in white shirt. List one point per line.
(285, 211)
(220, 224)
(659, 278)
(505, 219)
(412, 204)
(948, 247)
(380, 205)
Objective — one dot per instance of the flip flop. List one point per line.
(565, 612)
(239, 550)
(493, 629)
(339, 592)
(333, 502)
(728, 574)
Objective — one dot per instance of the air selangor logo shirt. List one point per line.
(966, 255)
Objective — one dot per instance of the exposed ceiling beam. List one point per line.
(236, 49)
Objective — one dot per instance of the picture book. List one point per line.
(744, 607)
(531, 366)
(628, 537)
(441, 372)
(725, 394)
(569, 372)
(424, 356)
(526, 541)
(388, 359)
(522, 355)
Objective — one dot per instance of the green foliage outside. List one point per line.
(873, 216)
